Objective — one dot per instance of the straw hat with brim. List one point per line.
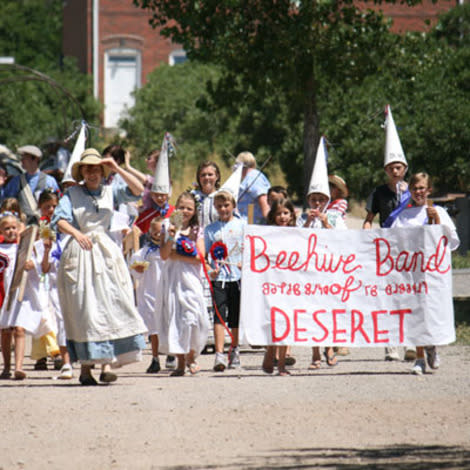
(337, 181)
(89, 157)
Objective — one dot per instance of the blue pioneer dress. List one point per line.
(95, 289)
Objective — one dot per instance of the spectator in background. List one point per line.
(27, 187)
(253, 189)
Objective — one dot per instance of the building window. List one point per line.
(122, 76)
(177, 57)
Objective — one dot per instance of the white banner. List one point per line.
(348, 288)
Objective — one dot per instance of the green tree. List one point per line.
(290, 45)
(35, 107)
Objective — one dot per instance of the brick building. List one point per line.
(113, 41)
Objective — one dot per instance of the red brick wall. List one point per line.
(407, 18)
(124, 25)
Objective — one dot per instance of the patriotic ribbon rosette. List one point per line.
(185, 246)
(219, 253)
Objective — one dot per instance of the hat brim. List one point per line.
(88, 160)
(340, 184)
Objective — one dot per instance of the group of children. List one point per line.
(178, 254)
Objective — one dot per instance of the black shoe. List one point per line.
(108, 377)
(87, 380)
(154, 366)
(58, 362)
(41, 364)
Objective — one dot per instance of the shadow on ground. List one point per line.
(403, 457)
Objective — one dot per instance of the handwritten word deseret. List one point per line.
(285, 323)
(293, 260)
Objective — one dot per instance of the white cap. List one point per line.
(78, 149)
(30, 150)
(232, 185)
(319, 179)
(393, 149)
(161, 182)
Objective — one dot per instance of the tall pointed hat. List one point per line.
(393, 150)
(161, 182)
(76, 153)
(232, 185)
(319, 178)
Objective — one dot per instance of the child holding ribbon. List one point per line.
(182, 319)
(223, 242)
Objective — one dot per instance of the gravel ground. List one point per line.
(364, 413)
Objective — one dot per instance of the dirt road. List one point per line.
(364, 413)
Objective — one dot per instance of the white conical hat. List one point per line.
(319, 179)
(393, 149)
(161, 182)
(78, 149)
(232, 185)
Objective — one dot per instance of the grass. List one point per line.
(463, 334)
(460, 261)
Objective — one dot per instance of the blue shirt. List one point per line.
(231, 234)
(13, 187)
(254, 185)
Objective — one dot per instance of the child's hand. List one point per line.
(214, 273)
(28, 265)
(172, 231)
(47, 242)
(312, 214)
(432, 214)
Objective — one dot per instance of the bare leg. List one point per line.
(268, 361)
(219, 337)
(19, 335)
(6, 353)
(155, 343)
(281, 366)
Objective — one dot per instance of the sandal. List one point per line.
(177, 373)
(290, 360)
(19, 374)
(194, 368)
(315, 365)
(332, 360)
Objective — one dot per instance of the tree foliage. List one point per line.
(32, 108)
(287, 44)
(424, 77)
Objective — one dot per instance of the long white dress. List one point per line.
(183, 323)
(95, 289)
(29, 313)
(147, 283)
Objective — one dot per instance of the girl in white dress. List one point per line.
(146, 268)
(95, 288)
(183, 319)
(8, 248)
